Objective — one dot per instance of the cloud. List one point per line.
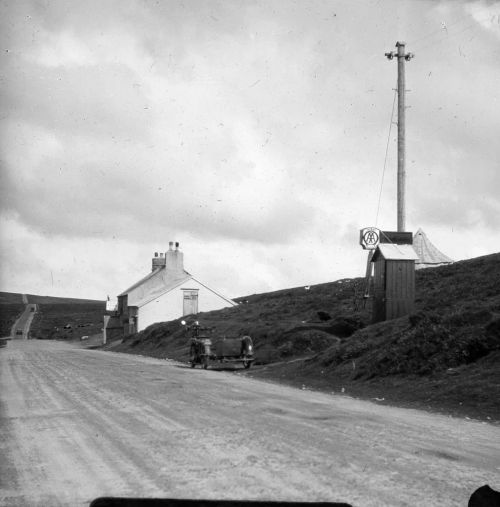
(487, 15)
(255, 131)
(79, 101)
(167, 149)
(96, 191)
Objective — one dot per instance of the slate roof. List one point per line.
(158, 273)
(160, 281)
(158, 291)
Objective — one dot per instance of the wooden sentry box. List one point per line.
(393, 281)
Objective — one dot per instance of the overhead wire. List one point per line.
(445, 33)
(445, 38)
(386, 153)
(456, 21)
(437, 31)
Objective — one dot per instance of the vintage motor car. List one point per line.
(224, 350)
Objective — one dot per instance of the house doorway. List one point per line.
(190, 301)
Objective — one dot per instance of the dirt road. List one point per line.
(77, 424)
(22, 325)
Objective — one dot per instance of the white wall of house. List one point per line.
(169, 306)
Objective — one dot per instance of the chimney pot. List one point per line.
(156, 254)
(174, 259)
(170, 245)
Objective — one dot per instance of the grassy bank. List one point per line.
(68, 321)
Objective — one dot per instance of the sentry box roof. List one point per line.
(391, 252)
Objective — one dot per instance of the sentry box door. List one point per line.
(190, 301)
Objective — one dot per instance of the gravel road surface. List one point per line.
(76, 424)
(23, 322)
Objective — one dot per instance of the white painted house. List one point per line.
(167, 293)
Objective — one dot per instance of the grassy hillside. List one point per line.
(85, 316)
(9, 312)
(11, 307)
(50, 300)
(445, 356)
(10, 298)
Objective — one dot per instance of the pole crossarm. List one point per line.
(396, 54)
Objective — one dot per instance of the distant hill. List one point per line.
(13, 297)
(41, 300)
(85, 316)
(445, 356)
(10, 298)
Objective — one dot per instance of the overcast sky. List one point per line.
(252, 132)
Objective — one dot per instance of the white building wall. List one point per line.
(170, 305)
(162, 309)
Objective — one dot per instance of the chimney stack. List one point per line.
(174, 258)
(158, 262)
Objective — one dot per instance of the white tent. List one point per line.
(429, 255)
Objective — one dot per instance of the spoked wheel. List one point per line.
(192, 357)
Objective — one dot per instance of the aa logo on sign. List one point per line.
(369, 238)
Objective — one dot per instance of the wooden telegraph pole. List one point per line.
(402, 57)
(391, 253)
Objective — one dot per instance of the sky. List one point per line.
(254, 133)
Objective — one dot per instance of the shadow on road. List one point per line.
(226, 368)
(211, 367)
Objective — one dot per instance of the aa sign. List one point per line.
(369, 238)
